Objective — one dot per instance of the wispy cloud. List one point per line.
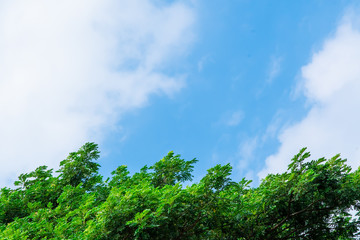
(234, 118)
(245, 158)
(203, 61)
(274, 68)
(230, 118)
(246, 152)
(331, 83)
(272, 72)
(70, 69)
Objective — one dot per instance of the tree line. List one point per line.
(313, 199)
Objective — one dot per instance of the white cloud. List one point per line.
(203, 61)
(233, 118)
(331, 83)
(246, 152)
(274, 68)
(245, 158)
(69, 69)
(230, 118)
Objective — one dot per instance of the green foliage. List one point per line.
(172, 169)
(79, 167)
(311, 200)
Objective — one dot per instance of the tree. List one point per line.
(79, 167)
(311, 200)
(172, 169)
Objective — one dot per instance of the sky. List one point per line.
(243, 82)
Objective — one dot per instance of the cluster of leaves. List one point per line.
(312, 200)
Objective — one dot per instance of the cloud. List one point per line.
(331, 84)
(203, 61)
(235, 118)
(70, 69)
(274, 68)
(246, 152)
(230, 118)
(245, 158)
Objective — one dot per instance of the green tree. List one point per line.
(311, 200)
(79, 167)
(172, 169)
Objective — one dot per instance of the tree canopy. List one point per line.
(313, 199)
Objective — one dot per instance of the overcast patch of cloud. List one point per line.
(70, 69)
(331, 83)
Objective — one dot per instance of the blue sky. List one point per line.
(241, 82)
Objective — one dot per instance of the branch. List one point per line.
(294, 214)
